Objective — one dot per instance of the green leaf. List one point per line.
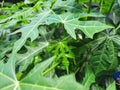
(112, 55)
(119, 2)
(116, 39)
(37, 71)
(71, 23)
(63, 53)
(92, 27)
(89, 78)
(30, 30)
(94, 43)
(105, 58)
(63, 83)
(25, 59)
(17, 14)
(34, 80)
(96, 87)
(106, 6)
(5, 47)
(112, 86)
(68, 82)
(68, 5)
(7, 75)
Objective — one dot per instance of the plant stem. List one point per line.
(89, 8)
(50, 69)
(52, 3)
(101, 4)
(77, 1)
(115, 30)
(80, 63)
(110, 8)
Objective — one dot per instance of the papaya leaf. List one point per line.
(83, 15)
(119, 2)
(71, 23)
(25, 59)
(92, 27)
(105, 58)
(112, 86)
(17, 14)
(30, 30)
(34, 80)
(5, 47)
(89, 78)
(93, 44)
(37, 71)
(96, 87)
(7, 75)
(116, 39)
(63, 83)
(68, 82)
(112, 55)
(63, 53)
(68, 5)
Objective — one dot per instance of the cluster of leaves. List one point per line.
(59, 44)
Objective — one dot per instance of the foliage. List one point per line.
(63, 53)
(59, 44)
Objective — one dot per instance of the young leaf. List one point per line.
(63, 53)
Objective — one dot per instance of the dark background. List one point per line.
(12, 1)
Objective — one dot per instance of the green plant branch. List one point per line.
(115, 30)
(52, 3)
(111, 6)
(80, 64)
(89, 8)
(50, 69)
(101, 4)
(77, 1)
